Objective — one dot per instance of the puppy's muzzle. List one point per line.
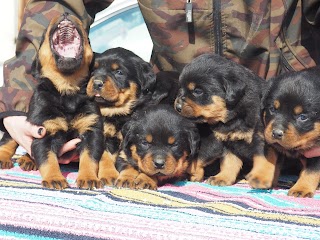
(179, 103)
(159, 162)
(97, 84)
(277, 134)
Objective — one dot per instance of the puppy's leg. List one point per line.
(92, 150)
(88, 171)
(89, 127)
(107, 170)
(127, 177)
(26, 163)
(7, 149)
(230, 167)
(196, 170)
(263, 171)
(50, 170)
(45, 151)
(143, 181)
(309, 179)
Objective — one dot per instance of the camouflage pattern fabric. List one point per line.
(269, 37)
(18, 81)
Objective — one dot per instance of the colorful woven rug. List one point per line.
(184, 210)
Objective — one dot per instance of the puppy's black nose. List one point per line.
(66, 14)
(159, 162)
(97, 84)
(178, 107)
(178, 103)
(277, 134)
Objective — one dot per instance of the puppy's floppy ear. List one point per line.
(194, 140)
(234, 89)
(128, 133)
(95, 61)
(166, 88)
(265, 94)
(146, 77)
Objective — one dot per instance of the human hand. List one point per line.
(65, 158)
(23, 133)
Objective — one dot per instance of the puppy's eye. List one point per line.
(302, 117)
(197, 92)
(146, 91)
(272, 110)
(145, 143)
(173, 145)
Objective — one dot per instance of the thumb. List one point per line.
(37, 132)
(69, 146)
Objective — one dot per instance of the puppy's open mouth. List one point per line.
(66, 40)
(160, 174)
(298, 148)
(103, 102)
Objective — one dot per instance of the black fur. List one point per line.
(131, 68)
(160, 122)
(234, 125)
(60, 97)
(291, 113)
(47, 103)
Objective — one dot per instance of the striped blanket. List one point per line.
(184, 210)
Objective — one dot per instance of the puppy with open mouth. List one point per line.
(60, 104)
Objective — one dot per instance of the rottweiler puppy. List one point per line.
(60, 104)
(158, 146)
(291, 114)
(121, 83)
(224, 98)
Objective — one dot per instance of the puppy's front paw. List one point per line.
(57, 183)
(301, 191)
(6, 164)
(145, 182)
(196, 178)
(124, 181)
(26, 163)
(108, 178)
(220, 180)
(260, 180)
(88, 182)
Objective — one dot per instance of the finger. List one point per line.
(28, 150)
(315, 152)
(69, 146)
(69, 159)
(26, 145)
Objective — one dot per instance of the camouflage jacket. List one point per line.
(18, 81)
(268, 37)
